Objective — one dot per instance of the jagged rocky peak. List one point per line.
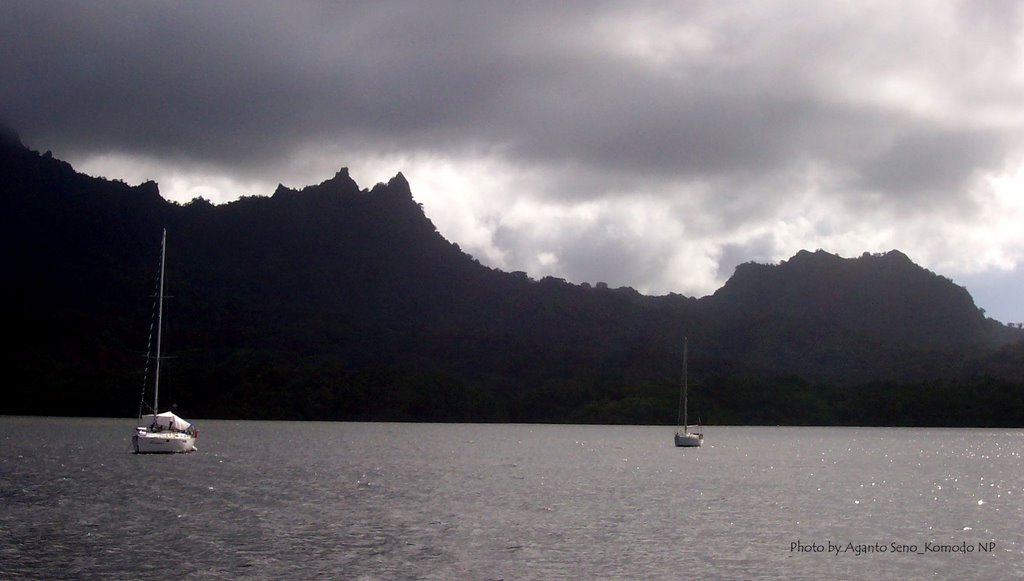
(149, 189)
(341, 182)
(395, 197)
(397, 187)
(400, 184)
(282, 191)
(398, 195)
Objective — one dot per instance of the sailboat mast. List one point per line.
(159, 324)
(685, 383)
(681, 409)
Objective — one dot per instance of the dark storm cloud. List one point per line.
(238, 83)
(200, 79)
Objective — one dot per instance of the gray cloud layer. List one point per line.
(666, 137)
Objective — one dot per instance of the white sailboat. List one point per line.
(162, 433)
(684, 437)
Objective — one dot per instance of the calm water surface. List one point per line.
(276, 500)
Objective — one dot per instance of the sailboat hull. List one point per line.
(689, 440)
(163, 443)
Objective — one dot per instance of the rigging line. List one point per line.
(149, 343)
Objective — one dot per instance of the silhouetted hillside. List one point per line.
(876, 316)
(335, 302)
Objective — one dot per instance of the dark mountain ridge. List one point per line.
(866, 295)
(335, 302)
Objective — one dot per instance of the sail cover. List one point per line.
(167, 421)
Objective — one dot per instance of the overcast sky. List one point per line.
(647, 144)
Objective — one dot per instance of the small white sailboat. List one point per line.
(684, 437)
(161, 433)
